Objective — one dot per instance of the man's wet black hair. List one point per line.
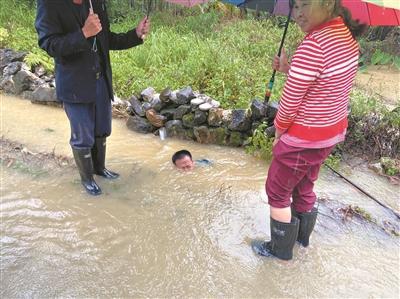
(181, 154)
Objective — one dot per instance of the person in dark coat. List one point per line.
(76, 33)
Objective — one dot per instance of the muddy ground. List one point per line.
(14, 155)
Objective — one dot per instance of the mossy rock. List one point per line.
(188, 120)
(236, 139)
(189, 134)
(218, 136)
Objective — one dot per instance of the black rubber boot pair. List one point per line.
(92, 161)
(307, 223)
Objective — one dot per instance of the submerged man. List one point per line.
(78, 36)
(183, 161)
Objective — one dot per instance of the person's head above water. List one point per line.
(183, 160)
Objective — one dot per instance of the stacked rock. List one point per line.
(17, 78)
(190, 115)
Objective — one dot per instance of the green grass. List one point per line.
(229, 59)
(17, 32)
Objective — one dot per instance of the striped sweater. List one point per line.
(315, 98)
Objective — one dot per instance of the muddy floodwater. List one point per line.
(156, 232)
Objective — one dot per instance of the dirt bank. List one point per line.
(382, 81)
(14, 155)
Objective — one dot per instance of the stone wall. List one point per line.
(184, 113)
(17, 78)
(190, 115)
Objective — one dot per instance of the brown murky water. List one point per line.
(160, 233)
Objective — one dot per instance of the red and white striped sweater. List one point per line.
(315, 98)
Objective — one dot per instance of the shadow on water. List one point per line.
(157, 232)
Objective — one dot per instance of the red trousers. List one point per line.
(292, 173)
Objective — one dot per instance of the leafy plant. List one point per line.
(373, 128)
(259, 144)
(333, 161)
(396, 62)
(380, 57)
(39, 58)
(390, 166)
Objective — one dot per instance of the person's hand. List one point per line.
(92, 25)
(276, 140)
(277, 137)
(143, 28)
(281, 63)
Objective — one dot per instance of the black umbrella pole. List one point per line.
(149, 6)
(272, 80)
(148, 10)
(285, 31)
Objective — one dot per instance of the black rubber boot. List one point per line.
(307, 223)
(99, 157)
(83, 160)
(283, 238)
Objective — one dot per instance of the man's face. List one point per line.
(185, 163)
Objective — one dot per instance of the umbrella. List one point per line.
(363, 10)
(234, 2)
(374, 14)
(386, 3)
(264, 5)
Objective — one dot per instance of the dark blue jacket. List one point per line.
(59, 28)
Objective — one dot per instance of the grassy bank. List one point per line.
(229, 59)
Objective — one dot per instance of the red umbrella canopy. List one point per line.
(386, 3)
(372, 14)
(366, 12)
(188, 3)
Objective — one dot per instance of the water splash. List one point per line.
(163, 133)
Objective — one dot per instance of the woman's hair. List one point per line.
(356, 28)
